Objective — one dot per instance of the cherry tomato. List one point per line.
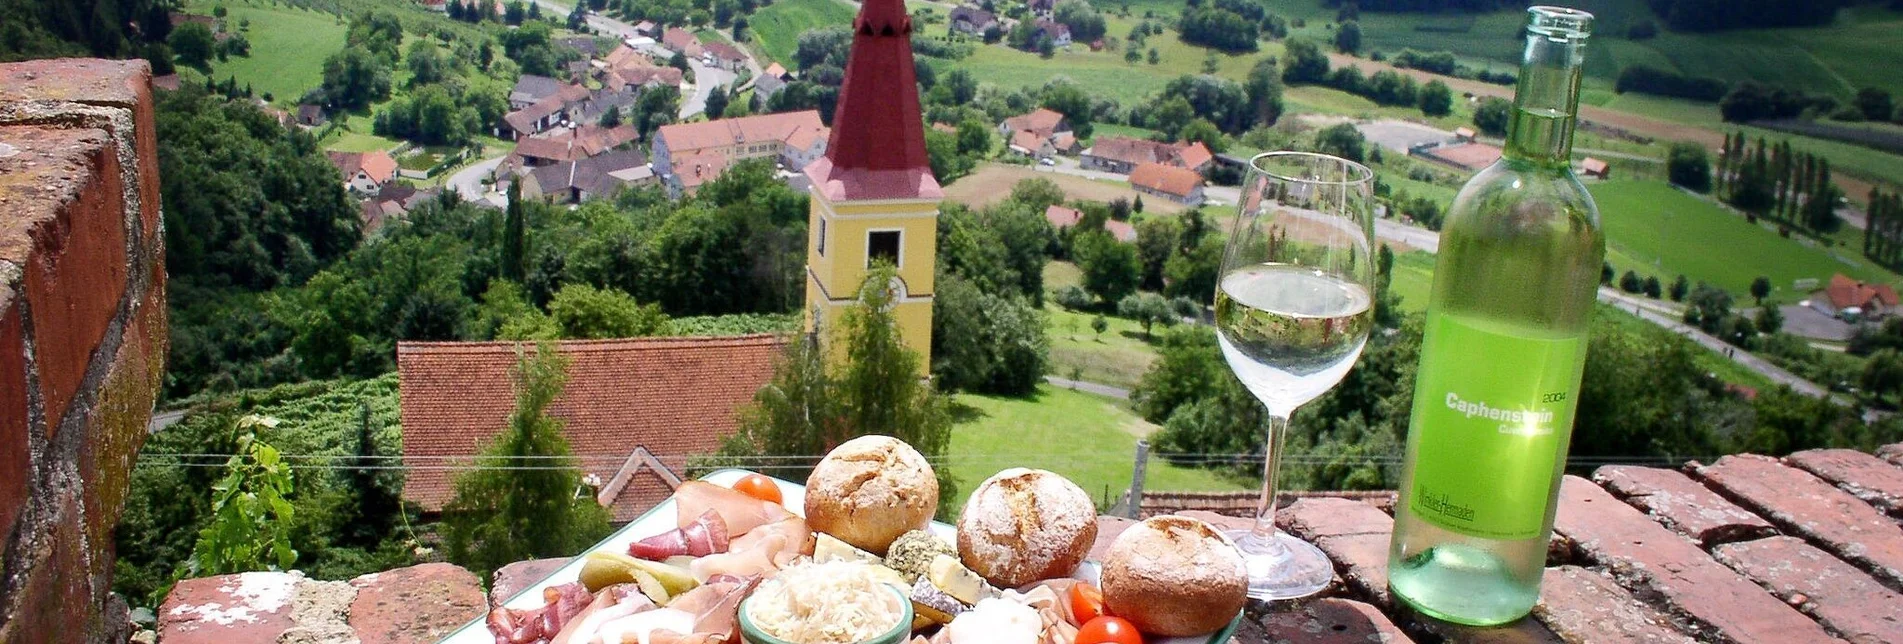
(1108, 630)
(1086, 603)
(759, 487)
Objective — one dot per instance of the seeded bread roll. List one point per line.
(870, 490)
(1024, 525)
(1174, 576)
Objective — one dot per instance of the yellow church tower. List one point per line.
(873, 194)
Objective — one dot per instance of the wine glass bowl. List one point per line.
(1294, 307)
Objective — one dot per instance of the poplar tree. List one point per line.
(514, 237)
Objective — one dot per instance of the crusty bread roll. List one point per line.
(870, 490)
(1024, 525)
(1174, 576)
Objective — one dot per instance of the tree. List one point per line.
(1348, 37)
(1342, 140)
(1155, 57)
(1146, 309)
(813, 404)
(1760, 289)
(1086, 25)
(584, 312)
(354, 78)
(1631, 283)
(1688, 166)
(1770, 320)
(1437, 99)
(1202, 131)
(378, 32)
(1111, 268)
(1158, 238)
(1707, 307)
(1218, 27)
(503, 513)
(1264, 90)
(426, 65)
(1132, 55)
(1679, 288)
(1099, 325)
(192, 42)
(1883, 373)
(1651, 287)
(1875, 103)
(986, 342)
(515, 243)
(717, 101)
(1306, 63)
(974, 138)
(941, 151)
(1491, 116)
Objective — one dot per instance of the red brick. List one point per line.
(1584, 606)
(515, 577)
(1108, 529)
(116, 426)
(62, 221)
(51, 601)
(1864, 476)
(1845, 599)
(415, 605)
(1892, 453)
(122, 84)
(1683, 504)
(245, 607)
(1662, 564)
(1806, 506)
(1353, 534)
(1326, 621)
(14, 426)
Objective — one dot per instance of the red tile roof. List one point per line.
(1593, 166)
(724, 51)
(877, 149)
(1166, 179)
(1026, 141)
(1844, 292)
(681, 40)
(761, 128)
(1042, 121)
(1194, 155)
(677, 397)
(1122, 230)
(1140, 151)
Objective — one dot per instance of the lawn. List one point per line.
(1713, 363)
(1658, 230)
(1413, 279)
(354, 136)
(992, 183)
(1089, 439)
(288, 47)
(1118, 357)
(777, 27)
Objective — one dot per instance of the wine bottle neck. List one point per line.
(1546, 103)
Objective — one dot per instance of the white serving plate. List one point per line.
(662, 519)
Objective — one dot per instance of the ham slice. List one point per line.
(534, 625)
(742, 513)
(797, 539)
(706, 535)
(755, 560)
(612, 603)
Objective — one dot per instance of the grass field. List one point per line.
(288, 47)
(1118, 357)
(777, 27)
(992, 182)
(1710, 361)
(1658, 230)
(1413, 279)
(1089, 439)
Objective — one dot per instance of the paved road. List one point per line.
(467, 182)
(1089, 387)
(163, 420)
(706, 77)
(1775, 373)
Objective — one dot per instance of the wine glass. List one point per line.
(1293, 311)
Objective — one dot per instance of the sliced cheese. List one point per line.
(956, 580)
(887, 576)
(929, 602)
(828, 549)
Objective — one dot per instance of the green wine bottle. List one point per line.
(1501, 360)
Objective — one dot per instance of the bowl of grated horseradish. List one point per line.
(840, 602)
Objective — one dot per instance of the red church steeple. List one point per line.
(877, 149)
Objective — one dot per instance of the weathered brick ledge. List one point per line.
(414, 605)
(82, 335)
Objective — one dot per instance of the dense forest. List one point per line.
(103, 28)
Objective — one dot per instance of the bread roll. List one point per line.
(870, 490)
(1024, 525)
(1174, 576)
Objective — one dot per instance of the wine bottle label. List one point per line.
(1493, 410)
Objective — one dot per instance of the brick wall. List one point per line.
(82, 334)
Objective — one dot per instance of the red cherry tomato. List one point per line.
(1086, 603)
(759, 487)
(1108, 630)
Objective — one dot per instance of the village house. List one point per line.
(647, 28)
(1469, 157)
(770, 81)
(1592, 168)
(1029, 144)
(584, 45)
(1041, 7)
(309, 115)
(972, 21)
(652, 403)
(687, 155)
(1177, 184)
(681, 41)
(1058, 32)
(364, 173)
(537, 118)
(596, 177)
(1848, 298)
(724, 56)
(1122, 155)
(1043, 122)
(391, 202)
(571, 144)
(530, 89)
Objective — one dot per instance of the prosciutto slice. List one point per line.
(535, 625)
(706, 535)
(612, 603)
(742, 513)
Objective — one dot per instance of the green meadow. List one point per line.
(777, 27)
(288, 46)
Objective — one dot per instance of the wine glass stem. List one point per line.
(1271, 463)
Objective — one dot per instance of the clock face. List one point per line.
(894, 292)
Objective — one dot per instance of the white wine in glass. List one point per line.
(1293, 310)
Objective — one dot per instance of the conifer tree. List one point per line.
(515, 237)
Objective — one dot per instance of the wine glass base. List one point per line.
(1282, 566)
